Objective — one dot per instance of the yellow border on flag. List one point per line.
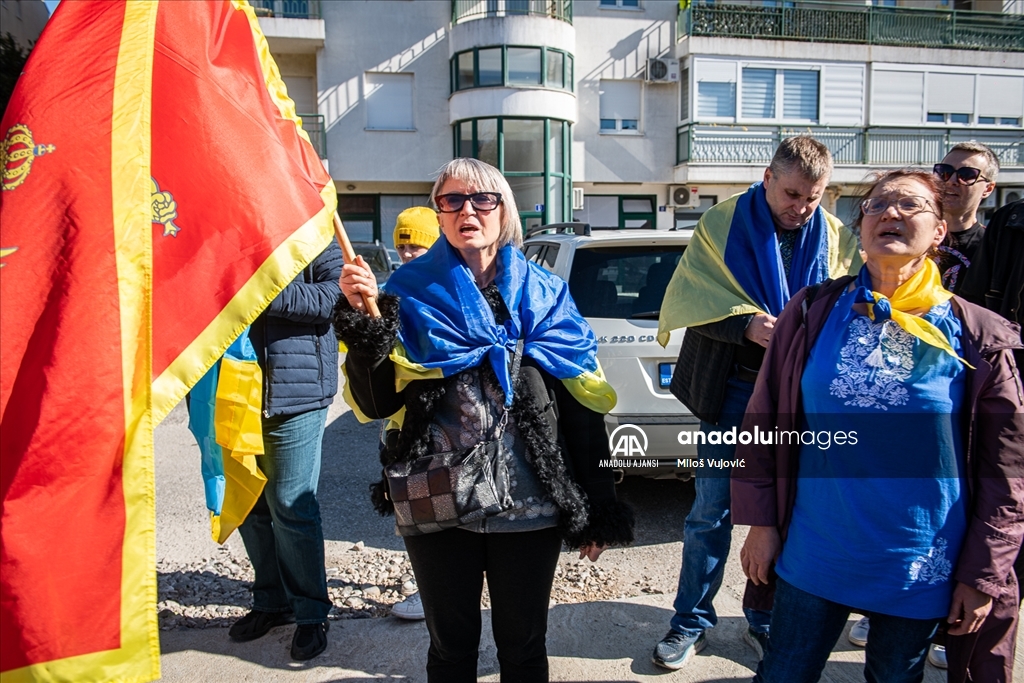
(280, 268)
(138, 658)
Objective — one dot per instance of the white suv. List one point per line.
(617, 279)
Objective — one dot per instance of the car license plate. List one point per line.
(665, 374)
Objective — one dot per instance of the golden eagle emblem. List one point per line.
(17, 152)
(165, 209)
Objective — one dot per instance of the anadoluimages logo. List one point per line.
(625, 442)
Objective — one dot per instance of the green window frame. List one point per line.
(557, 184)
(650, 216)
(545, 55)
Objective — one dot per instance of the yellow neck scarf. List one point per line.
(920, 292)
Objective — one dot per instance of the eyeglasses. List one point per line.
(481, 201)
(965, 174)
(906, 206)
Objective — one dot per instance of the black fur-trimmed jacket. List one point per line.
(552, 423)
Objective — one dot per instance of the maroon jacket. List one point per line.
(764, 490)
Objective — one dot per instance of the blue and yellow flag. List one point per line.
(447, 325)
(733, 265)
(224, 416)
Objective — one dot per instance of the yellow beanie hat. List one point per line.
(417, 226)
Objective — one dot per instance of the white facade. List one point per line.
(401, 89)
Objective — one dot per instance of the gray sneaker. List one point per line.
(411, 608)
(676, 649)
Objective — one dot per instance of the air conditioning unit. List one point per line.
(1009, 195)
(577, 199)
(662, 70)
(683, 196)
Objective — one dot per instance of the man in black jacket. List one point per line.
(298, 354)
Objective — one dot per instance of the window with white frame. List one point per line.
(790, 94)
(620, 106)
(619, 4)
(389, 101)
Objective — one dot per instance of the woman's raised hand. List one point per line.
(357, 281)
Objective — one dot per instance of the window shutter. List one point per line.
(951, 93)
(1001, 96)
(759, 93)
(800, 94)
(898, 96)
(843, 95)
(620, 100)
(389, 101)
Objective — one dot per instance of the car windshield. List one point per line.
(374, 255)
(622, 282)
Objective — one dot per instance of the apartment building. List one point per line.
(641, 113)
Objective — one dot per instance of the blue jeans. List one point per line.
(707, 532)
(805, 628)
(282, 534)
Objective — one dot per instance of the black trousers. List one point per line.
(520, 567)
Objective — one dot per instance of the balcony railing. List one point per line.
(467, 10)
(289, 9)
(699, 144)
(848, 23)
(313, 124)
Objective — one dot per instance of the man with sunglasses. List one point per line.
(968, 174)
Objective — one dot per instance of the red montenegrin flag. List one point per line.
(158, 192)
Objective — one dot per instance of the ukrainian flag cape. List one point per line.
(733, 265)
(447, 325)
(224, 416)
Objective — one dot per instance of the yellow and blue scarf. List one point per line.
(447, 325)
(920, 293)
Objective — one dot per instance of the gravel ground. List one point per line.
(214, 593)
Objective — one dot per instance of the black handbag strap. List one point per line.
(517, 358)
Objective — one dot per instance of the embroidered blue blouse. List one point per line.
(880, 519)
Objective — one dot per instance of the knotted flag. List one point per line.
(158, 192)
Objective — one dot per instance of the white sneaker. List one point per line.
(859, 632)
(411, 608)
(937, 656)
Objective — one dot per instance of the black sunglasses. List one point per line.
(965, 174)
(481, 201)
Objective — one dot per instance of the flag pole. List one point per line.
(349, 254)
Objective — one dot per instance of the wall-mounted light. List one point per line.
(350, 187)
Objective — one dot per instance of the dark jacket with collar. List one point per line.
(764, 490)
(564, 439)
(294, 342)
(996, 277)
(707, 357)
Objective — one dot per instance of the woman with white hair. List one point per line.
(476, 345)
